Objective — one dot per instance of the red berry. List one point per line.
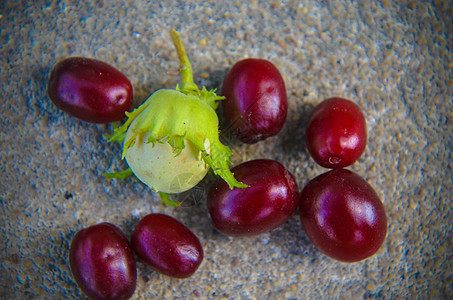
(343, 216)
(255, 106)
(90, 90)
(336, 133)
(167, 246)
(268, 202)
(102, 263)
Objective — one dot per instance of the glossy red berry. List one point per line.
(336, 133)
(102, 263)
(90, 90)
(268, 202)
(343, 216)
(256, 105)
(166, 245)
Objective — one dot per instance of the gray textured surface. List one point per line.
(394, 58)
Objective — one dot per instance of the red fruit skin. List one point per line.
(336, 133)
(269, 201)
(343, 216)
(167, 246)
(90, 90)
(256, 104)
(103, 263)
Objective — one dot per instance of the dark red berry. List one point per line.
(336, 133)
(268, 202)
(255, 106)
(102, 263)
(167, 246)
(343, 216)
(90, 90)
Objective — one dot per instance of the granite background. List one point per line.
(393, 58)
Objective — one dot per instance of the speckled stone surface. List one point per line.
(393, 58)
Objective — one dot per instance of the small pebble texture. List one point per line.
(393, 58)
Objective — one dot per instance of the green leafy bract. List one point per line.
(173, 116)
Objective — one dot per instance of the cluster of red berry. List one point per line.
(340, 212)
